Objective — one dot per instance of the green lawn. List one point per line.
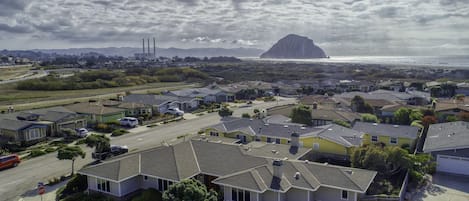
(23, 99)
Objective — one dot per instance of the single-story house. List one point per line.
(451, 107)
(160, 103)
(21, 132)
(463, 88)
(55, 118)
(208, 94)
(321, 101)
(329, 140)
(324, 117)
(227, 169)
(96, 112)
(449, 145)
(388, 134)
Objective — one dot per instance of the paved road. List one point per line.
(27, 76)
(23, 179)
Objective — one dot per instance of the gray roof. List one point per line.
(340, 135)
(311, 176)
(447, 136)
(335, 114)
(268, 150)
(149, 99)
(15, 125)
(260, 127)
(231, 165)
(93, 108)
(196, 92)
(387, 130)
(57, 116)
(42, 112)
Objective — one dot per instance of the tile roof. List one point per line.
(231, 165)
(447, 136)
(387, 130)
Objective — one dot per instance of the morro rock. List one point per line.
(294, 47)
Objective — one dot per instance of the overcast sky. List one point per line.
(344, 27)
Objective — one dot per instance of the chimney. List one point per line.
(154, 47)
(315, 105)
(143, 43)
(295, 140)
(148, 46)
(278, 168)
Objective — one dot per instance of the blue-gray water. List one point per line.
(436, 61)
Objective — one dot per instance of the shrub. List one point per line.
(370, 118)
(246, 115)
(119, 132)
(149, 194)
(53, 181)
(50, 149)
(77, 184)
(342, 123)
(36, 153)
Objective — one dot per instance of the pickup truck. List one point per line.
(115, 150)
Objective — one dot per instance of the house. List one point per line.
(21, 132)
(210, 94)
(387, 97)
(319, 101)
(55, 118)
(97, 113)
(228, 170)
(387, 111)
(332, 140)
(463, 88)
(324, 117)
(451, 107)
(388, 134)
(160, 103)
(449, 145)
(132, 109)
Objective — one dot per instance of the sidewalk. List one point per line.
(32, 195)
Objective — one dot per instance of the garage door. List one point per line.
(453, 164)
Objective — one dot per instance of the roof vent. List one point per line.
(326, 163)
(303, 128)
(395, 126)
(274, 151)
(266, 124)
(306, 161)
(285, 126)
(250, 119)
(297, 175)
(375, 124)
(329, 129)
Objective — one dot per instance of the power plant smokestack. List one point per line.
(154, 47)
(143, 42)
(148, 44)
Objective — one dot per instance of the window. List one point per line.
(34, 134)
(240, 195)
(393, 140)
(103, 185)
(344, 195)
(160, 184)
(145, 178)
(316, 146)
(213, 133)
(277, 141)
(269, 139)
(374, 138)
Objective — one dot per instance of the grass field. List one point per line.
(13, 72)
(21, 99)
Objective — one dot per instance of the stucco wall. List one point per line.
(386, 140)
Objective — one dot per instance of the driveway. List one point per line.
(445, 187)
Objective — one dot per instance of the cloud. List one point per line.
(342, 26)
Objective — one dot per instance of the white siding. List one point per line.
(227, 193)
(149, 183)
(113, 186)
(269, 196)
(330, 194)
(130, 185)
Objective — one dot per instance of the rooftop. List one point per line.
(403, 131)
(447, 136)
(93, 108)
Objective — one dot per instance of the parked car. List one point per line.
(9, 161)
(129, 122)
(82, 132)
(114, 150)
(175, 111)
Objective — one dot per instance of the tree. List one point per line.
(189, 189)
(370, 118)
(246, 115)
(100, 142)
(415, 115)
(402, 116)
(342, 123)
(302, 115)
(70, 153)
(359, 105)
(225, 111)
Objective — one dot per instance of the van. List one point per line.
(9, 161)
(129, 122)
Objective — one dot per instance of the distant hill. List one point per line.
(294, 47)
(164, 52)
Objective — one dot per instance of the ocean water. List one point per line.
(435, 61)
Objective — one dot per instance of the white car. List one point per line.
(175, 111)
(82, 132)
(129, 122)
